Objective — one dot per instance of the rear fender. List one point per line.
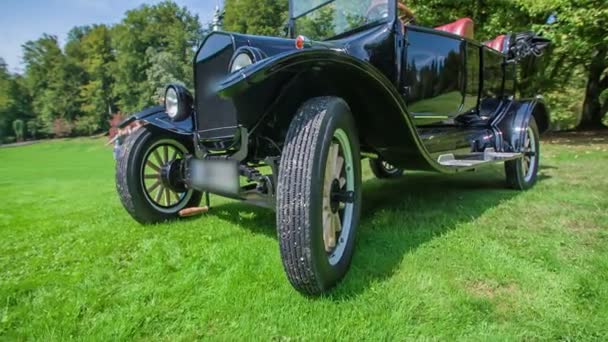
(156, 116)
(516, 118)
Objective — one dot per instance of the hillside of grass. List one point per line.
(438, 257)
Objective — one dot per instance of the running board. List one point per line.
(473, 160)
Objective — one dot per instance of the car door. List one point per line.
(433, 75)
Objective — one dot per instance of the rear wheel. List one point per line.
(523, 173)
(319, 195)
(384, 170)
(147, 176)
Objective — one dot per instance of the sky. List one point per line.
(23, 20)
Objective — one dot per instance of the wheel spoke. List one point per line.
(166, 154)
(329, 233)
(152, 176)
(159, 160)
(177, 196)
(328, 177)
(332, 157)
(339, 166)
(167, 197)
(334, 151)
(174, 157)
(337, 223)
(159, 195)
(153, 166)
(153, 187)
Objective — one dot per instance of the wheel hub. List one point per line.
(171, 176)
(335, 196)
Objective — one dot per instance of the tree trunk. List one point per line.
(593, 111)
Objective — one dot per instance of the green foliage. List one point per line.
(19, 129)
(566, 107)
(32, 128)
(54, 77)
(261, 17)
(580, 38)
(164, 69)
(86, 125)
(164, 27)
(96, 58)
(319, 24)
(100, 70)
(14, 100)
(124, 68)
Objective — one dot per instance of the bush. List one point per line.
(61, 128)
(32, 128)
(19, 129)
(86, 125)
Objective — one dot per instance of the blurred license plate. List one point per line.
(216, 176)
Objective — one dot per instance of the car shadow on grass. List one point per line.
(398, 217)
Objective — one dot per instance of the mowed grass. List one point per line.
(440, 257)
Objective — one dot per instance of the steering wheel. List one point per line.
(406, 14)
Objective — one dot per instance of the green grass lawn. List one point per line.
(440, 257)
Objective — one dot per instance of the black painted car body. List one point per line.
(418, 98)
(374, 71)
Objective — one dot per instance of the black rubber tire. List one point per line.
(300, 195)
(381, 172)
(129, 178)
(514, 168)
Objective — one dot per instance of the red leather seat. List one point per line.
(497, 43)
(464, 27)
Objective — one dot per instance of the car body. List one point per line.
(364, 86)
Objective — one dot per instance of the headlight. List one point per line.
(240, 61)
(178, 102)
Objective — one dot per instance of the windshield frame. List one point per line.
(392, 15)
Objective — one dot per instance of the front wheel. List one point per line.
(319, 195)
(147, 176)
(523, 173)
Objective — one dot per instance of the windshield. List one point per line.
(323, 19)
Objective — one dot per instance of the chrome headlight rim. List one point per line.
(254, 55)
(178, 102)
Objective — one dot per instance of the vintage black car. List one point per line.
(284, 123)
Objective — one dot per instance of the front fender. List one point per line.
(515, 120)
(157, 116)
(385, 127)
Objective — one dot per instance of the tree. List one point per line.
(262, 17)
(14, 100)
(96, 93)
(165, 68)
(580, 36)
(55, 80)
(165, 27)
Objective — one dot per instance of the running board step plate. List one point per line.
(472, 160)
